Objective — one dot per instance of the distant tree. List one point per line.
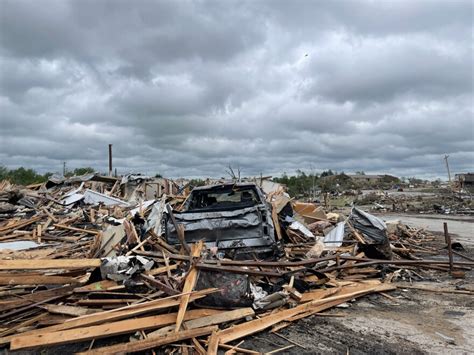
(3, 173)
(301, 184)
(234, 174)
(21, 176)
(83, 171)
(196, 182)
(436, 183)
(327, 173)
(360, 172)
(415, 181)
(158, 175)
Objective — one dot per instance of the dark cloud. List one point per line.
(186, 88)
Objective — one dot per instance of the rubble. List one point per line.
(95, 257)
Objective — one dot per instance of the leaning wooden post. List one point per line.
(445, 226)
(447, 237)
(179, 230)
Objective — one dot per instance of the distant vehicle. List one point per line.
(234, 217)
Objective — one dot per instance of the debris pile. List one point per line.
(125, 265)
(442, 201)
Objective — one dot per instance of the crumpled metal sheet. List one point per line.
(334, 238)
(223, 228)
(374, 231)
(69, 200)
(93, 198)
(300, 227)
(195, 216)
(373, 228)
(212, 220)
(155, 218)
(134, 177)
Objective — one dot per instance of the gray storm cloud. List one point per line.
(186, 88)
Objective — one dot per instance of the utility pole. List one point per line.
(64, 168)
(110, 159)
(447, 167)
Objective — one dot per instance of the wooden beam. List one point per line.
(221, 317)
(41, 264)
(188, 285)
(318, 294)
(161, 286)
(115, 314)
(236, 348)
(37, 280)
(161, 270)
(213, 343)
(35, 297)
(260, 324)
(179, 230)
(102, 330)
(150, 343)
(67, 310)
(62, 226)
(276, 222)
(20, 224)
(23, 324)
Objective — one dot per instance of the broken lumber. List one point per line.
(257, 325)
(115, 314)
(37, 280)
(103, 330)
(35, 264)
(149, 343)
(218, 318)
(188, 285)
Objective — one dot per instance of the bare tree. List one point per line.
(230, 171)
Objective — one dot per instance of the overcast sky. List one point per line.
(185, 88)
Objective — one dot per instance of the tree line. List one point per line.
(24, 176)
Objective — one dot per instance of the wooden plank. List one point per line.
(213, 343)
(161, 270)
(179, 230)
(37, 280)
(62, 226)
(150, 343)
(236, 348)
(105, 285)
(67, 310)
(115, 314)
(41, 264)
(221, 317)
(105, 301)
(28, 307)
(257, 325)
(20, 224)
(188, 285)
(161, 286)
(35, 297)
(23, 324)
(276, 222)
(102, 330)
(318, 294)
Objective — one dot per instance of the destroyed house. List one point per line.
(465, 180)
(366, 178)
(140, 187)
(373, 179)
